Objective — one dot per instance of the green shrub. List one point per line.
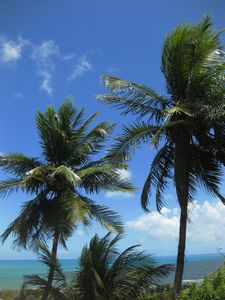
(212, 288)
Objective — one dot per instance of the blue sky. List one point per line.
(50, 50)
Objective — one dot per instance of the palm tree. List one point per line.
(57, 180)
(104, 273)
(181, 125)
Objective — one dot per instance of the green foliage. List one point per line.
(104, 273)
(212, 288)
(186, 127)
(67, 168)
(191, 115)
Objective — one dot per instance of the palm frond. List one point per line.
(67, 174)
(18, 164)
(161, 131)
(131, 138)
(133, 98)
(95, 137)
(190, 59)
(50, 261)
(160, 173)
(10, 186)
(108, 218)
(104, 176)
(29, 225)
(140, 280)
(104, 273)
(207, 171)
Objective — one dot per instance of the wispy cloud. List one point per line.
(69, 56)
(83, 66)
(46, 84)
(44, 55)
(18, 95)
(11, 51)
(43, 52)
(202, 227)
(79, 232)
(118, 195)
(112, 69)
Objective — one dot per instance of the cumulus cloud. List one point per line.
(11, 51)
(123, 175)
(207, 220)
(44, 55)
(83, 65)
(163, 225)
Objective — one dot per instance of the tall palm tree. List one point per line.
(56, 180)
(181, 125)
(104, 273)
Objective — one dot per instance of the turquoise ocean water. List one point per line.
(196, 267)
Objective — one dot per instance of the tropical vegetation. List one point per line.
(185, 126)
(56, 181)
(212, 288)
(103, 273)
(186, 129)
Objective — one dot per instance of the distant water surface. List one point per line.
(196, 267)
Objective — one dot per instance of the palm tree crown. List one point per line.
(104, 273)
(193, 66)
(183, 126)
(57, 180)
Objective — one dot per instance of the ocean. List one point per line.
(196, 267)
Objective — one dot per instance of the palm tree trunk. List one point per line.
(52, 268)
(181, 176)
(181, 251)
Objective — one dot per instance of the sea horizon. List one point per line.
(197, 266)
(153, 256)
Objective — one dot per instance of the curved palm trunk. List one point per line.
(181, 251)
(52, 268)
(181, 174)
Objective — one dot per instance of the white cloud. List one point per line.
(207, 222)
(44, 52)
(118, 194)
(44, 55)
(18, 95)
(79, 232)
(11, 51)
(46, 84)
(83, 65)
(124, 174)
(69, 56)
(163, 225)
